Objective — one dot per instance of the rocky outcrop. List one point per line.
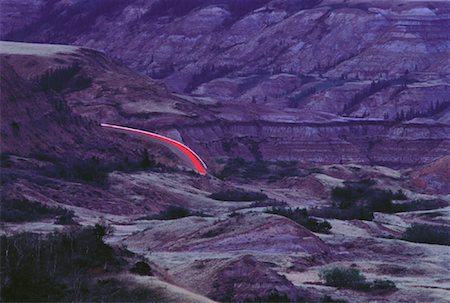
(246, 278)
(252, 232)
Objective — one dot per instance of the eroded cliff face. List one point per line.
(313, 55)
(364, 142)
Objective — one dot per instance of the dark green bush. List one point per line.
(301, 217)
(238, 195)
(141, 268)
(353, 279)
(427, 233)
(28, 211)
(344, 277)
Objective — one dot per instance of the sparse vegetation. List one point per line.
(174, 212)
(238, 195)
(427, 233)
(295, 100)
(258, 170)
(208, 73)
(17, 211)
(89, 170)
(214, 232)
(300, 216)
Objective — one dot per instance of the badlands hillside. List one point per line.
(324, 125)
(369, 76)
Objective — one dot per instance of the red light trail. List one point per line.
(190, 157)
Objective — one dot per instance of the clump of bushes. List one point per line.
(17, 211)
(301, 217)
(63, 267)
(238, 195)
(362, 193)
(427, 233)
(353, 279)
(358, 200)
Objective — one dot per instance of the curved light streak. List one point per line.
(184, 152)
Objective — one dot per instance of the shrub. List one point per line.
(426, 233)
(238, 195)
(344, 277)
(28, 211)
(301, 217)
(141, 268)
